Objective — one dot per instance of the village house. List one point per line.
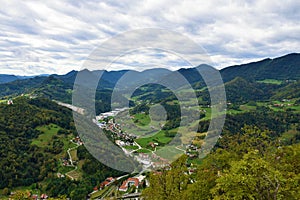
(10, 102)
(128, 183)
(78, 140)
(107, 182)
(44, 196)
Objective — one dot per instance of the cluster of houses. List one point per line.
(192, 151)
(159, 162)
(121, 138)
(60, 175)
(36, 197)
(105, 183)
(154, 161)
(281, 104)
(113, 113)
(126, 184)
(31, 196)
(66, 162)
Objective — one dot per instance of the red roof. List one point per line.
(44, 196)
(110, 179)
(134, 180)
(128, 182)
(123, 186)
(107, 182)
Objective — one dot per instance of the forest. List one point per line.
(27, 165)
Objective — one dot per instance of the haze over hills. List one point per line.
(59, 87)
(6, 78)
(284, 67)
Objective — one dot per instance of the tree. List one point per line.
(78, 194)
(21, 195)
(250, 178)
(204, 179)
(169, 184)
(5, 191)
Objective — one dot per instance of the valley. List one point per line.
(44, 154)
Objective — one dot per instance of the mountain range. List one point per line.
(249, 76)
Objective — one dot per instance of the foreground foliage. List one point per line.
(253, 166)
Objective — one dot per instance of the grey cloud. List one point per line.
(59, 35)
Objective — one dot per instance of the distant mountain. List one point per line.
(59, 87)
(22, 86)
(283, 68)
(6, 78)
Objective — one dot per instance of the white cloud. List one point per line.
(57, 36)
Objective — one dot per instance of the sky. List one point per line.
(57, 36)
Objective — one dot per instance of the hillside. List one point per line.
(240, 90)
(5, 78)
(35, 135)
(288, 92)
(282, 68)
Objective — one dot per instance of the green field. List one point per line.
(141, 119)
(3, 101)
(271, 81)
(140, 127)
(169, 152)
(131, 147)
(48, 132)
(99, 193)
(159, 138)
(75, 174)
(143, 151)
(73, 153)
(64, 169)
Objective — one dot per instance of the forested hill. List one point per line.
(22, 163)
(282, 68)
(35, 135)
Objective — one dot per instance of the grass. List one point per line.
(48, 132)
(99, 193)
(169, 152)
(142, 119)
(3, 101)
(195, 161)
(75, 174)
(207, 113)
(143, 151)
(129, 126)
(73, 153)
(131, 147)
(247, 107)
(286, 105)
(159, 138)
(67, 143)
(65, 169)
(271, 81)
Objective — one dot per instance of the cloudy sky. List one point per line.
(44, 37)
